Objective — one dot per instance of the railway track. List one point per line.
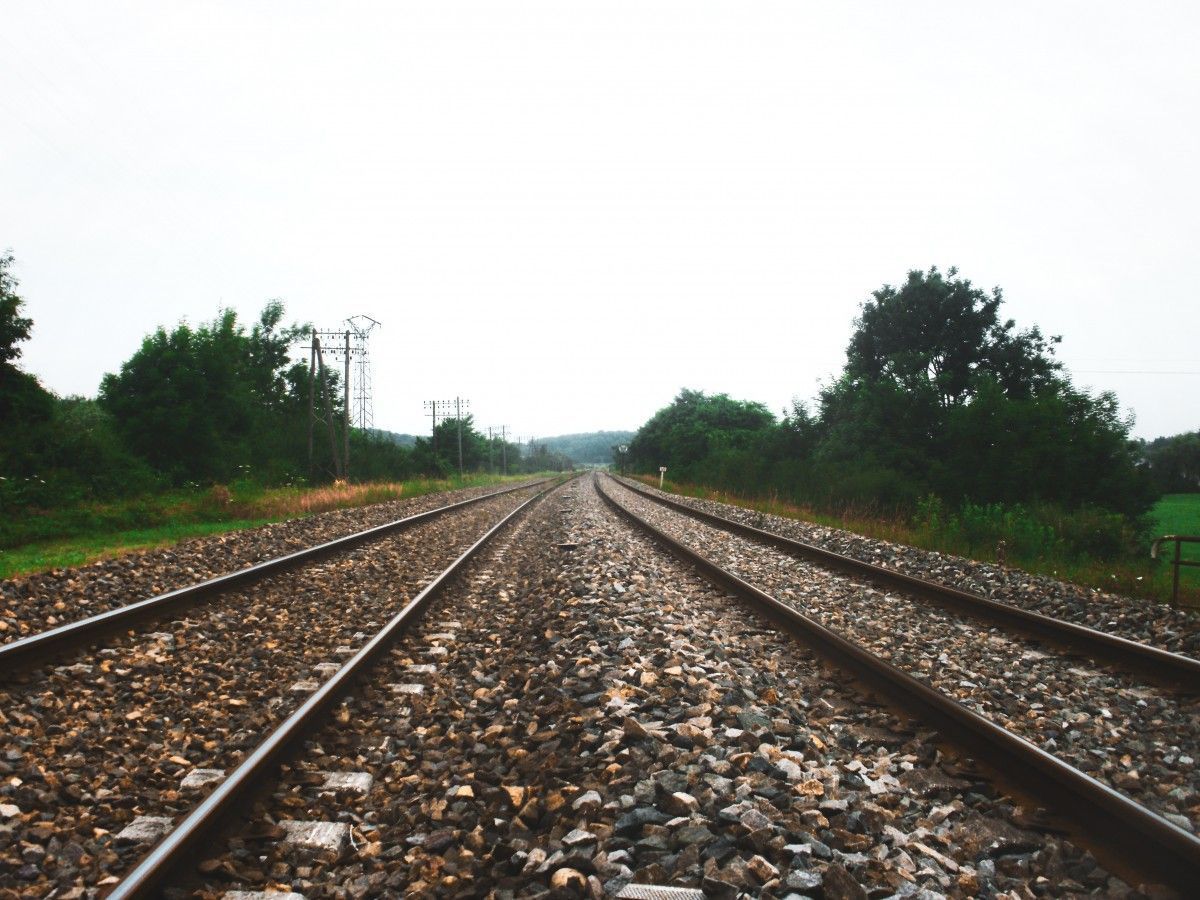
(35, 649)
(993, 691)
(593, 717)
(572, 711)
(111, 734)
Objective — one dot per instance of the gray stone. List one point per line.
(635, 819)
(803, 880)
(577, 837)
(357, 782)
(326, 836)
(145, 830)
(408, 688)
(199, 778)
(658, 892)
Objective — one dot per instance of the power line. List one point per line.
(1128, 372)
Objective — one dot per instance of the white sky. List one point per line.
(567, 212)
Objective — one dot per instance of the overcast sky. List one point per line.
(566, 212)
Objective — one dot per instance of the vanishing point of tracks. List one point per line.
(577, 714)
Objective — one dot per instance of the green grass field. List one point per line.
(1180, 514)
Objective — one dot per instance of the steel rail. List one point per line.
(244, 781)
(1113, 824)
(1180, 671)
(36, 649)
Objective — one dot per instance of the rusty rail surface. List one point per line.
(1108, 821)
(1175, 669)
(37, 649)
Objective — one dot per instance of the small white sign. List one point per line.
(662, 468)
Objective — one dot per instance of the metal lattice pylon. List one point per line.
(363, 414)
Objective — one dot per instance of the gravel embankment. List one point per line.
(88, 745)
(1136, 739)
(33, 603)
(1158, 624)
(591, 714)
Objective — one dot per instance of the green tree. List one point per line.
(14, 328)
(697, 430)
(940, 395)
(940, 335)
(1174, 462)
(216, 401)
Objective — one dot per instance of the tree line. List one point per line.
(198, 405)
(942, 405)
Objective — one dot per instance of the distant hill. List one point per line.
(592, 448)
(404, 440)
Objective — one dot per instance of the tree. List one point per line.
(1174, 462)
(14, 328)
(215, 401)
(696, 429)
(940, 395)
(942, 334)
(23, 400)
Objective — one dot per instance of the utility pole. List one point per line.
(341, 343)
(459, 403)
(504, 449)
(435, 408)
(346, 415)
(491, 452)
(312, 387)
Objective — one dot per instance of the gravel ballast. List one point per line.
(1157, 624)
(1132, 736)
(90, 744)
(582, 713)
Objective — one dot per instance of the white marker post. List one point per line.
(662, 471)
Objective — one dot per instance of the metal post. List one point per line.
(346, 416)
(1175, 580)
(504, 449)
(312, 388)
(333, 450)
(458, 413)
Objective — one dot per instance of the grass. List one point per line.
(39, 540)
(1180, 514)
(1136, 577)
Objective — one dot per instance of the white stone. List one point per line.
(261, 895)
(420, 668)
(330, 836)
(145, 829)
(198, 778)
(358, 782)
(578, 836)
(304, 687)
(326, 668)
(658, 892)
(442, 636)
(408, 688)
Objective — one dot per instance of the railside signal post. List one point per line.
(662, 473)
(623, 449)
